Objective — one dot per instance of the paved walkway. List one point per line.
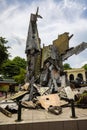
(44, 116)
(42, 120)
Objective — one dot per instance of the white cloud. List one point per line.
(58, 17)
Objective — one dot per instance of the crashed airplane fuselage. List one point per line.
(44, 65)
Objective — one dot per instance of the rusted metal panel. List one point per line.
(4, 111)
(76, 50)
(16, 95)
(33, 48)
(62, 43)
(33, 40)
(49, 52)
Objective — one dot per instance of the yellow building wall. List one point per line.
(75, 73)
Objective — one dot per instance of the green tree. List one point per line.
(21, 77)
(85, 66)
(67, 66)
(20, 62)
(9, 69)
(3, 50)
(12, 68)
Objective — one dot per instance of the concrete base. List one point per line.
(51, 125)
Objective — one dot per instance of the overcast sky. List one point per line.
(59, 16)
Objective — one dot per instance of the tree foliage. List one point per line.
(67, 66)
(85, 66)
(11, 68)
(14, 68)
(20, 78)
(20, 62)
(3, 50)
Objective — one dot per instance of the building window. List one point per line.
(86, 75)
(71, 77)
(80, 76)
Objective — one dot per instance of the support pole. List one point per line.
(73, 109)
(19, 111)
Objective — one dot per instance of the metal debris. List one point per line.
(49, 100)
(46, 82)
(28, 104)
(55, 110)
(6, 112)
(45, 65)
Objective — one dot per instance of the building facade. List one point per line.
(72, 74)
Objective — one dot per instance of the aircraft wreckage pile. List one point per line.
(46, 85)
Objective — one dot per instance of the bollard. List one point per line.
(73, 109)
(19, 111)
